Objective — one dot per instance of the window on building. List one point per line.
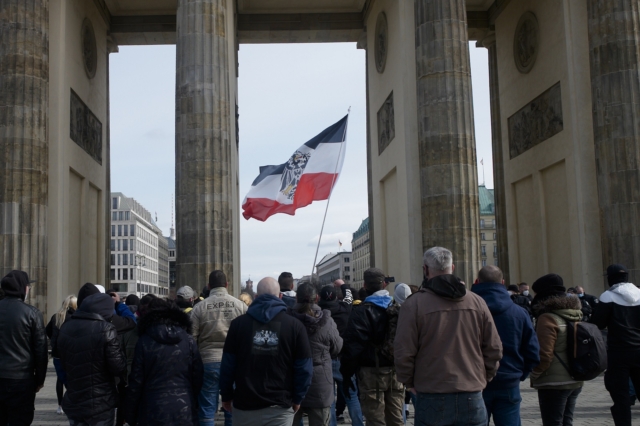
(346, 259)
(120, 215)
(119, 245)
(493, 223)
(120, 230)
(481, 223)
(347, 269)
(125, 274)
(113, 230)
(132, 245)
(113, 260)
(484, 262)
(125, 257)
(482, 236)
(495, 261)
(119, 259)
(114, 216)
(132, 230)
(125, 244)
(494, 236)
(131, 259)
(118, 274)
(114, 203)
(131, 274)
(127, 216)
(112, 275)
(347, 277)
(126, 231)
(113, 245)
(139, 287)
(484, 251)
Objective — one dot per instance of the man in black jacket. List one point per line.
(619, 311)
(92, 357)
(23, 351)
(287, 295)
(381, 395)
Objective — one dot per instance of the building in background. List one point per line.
(171, 243)
(360, 260)
(488, 241)
(334, 266)
(139, 252)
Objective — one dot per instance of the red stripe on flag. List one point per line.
(312, 187)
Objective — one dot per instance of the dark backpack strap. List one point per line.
(566, 367)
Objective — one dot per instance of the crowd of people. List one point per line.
(458, 353)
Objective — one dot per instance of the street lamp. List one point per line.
(141, 260)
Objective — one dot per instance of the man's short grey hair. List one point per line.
(438, 259)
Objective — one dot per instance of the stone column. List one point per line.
(205, 199)
(498, 160)
(448, 170)
(24, 146)
(614, 51)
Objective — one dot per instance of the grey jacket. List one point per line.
(211, 319)
(326, 343)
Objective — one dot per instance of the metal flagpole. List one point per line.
(335, 172)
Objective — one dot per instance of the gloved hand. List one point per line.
(347, 385)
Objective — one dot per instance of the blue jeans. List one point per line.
(504, 405)
(209, 396)
(451, 409)
(353, 403)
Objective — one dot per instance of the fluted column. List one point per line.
(24, 100)
(614, 51)
(448, 170)
(498, 160)
(205, 200)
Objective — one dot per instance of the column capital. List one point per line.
(488, 40)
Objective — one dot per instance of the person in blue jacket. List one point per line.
(521, 350)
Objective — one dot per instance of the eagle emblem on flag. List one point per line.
(293, 170)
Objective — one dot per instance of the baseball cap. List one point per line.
(372, 275)
(186, 292)
(616, 269)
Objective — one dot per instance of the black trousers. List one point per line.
(557, 406)
(17, 402)
(622, 367)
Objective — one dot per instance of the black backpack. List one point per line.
(586, 351)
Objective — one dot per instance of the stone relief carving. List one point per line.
(381, 42)
(84, 128)
(525, 43)
(89, 48)
(386, 124)
(536, 122)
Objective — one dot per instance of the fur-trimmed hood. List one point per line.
(167, 326)
(565, 306)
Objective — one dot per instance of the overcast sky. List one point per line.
(287, 94)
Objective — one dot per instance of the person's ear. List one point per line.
(502, 282)
(280, 296)
(453, 268)
(226, 285)
(425, 271)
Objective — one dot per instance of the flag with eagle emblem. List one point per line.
(309, 175)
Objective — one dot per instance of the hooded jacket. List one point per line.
(166, 375)
(91, 356)
(619, 311)
(446, 341)
(289, 298)
(551, 328)
(520, 347)
(211, 320)
(340, 309)
(326, 344)
(365, 335)
(267, 357)
(23, 344)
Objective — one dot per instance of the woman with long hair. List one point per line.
(166, 374)
(326, 344)
(67, 309)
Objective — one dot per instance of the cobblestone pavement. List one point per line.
(592, 409)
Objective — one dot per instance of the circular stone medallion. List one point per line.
(381, 42)
(89, 49)
(526, 42)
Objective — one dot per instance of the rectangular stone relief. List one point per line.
(386, 124)
(84, 128)
(536, 122)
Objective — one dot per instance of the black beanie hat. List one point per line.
(15, 284)
(85, 291)
(329, 294)
(549, 285)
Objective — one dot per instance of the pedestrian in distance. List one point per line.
(286, 282)
(520, 348)
(67, 309)
(267, 363)
(92, 358)
(619, 311)
(211, 321)
(166, 375)
(381, 394)
(133, 302)
(557, 390)
(326, 343)
(123, 319)
(185, 297)
(23, 351)
(447, 347)
(523, 289)
(519, 299)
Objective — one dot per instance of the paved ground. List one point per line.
(592, 409)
